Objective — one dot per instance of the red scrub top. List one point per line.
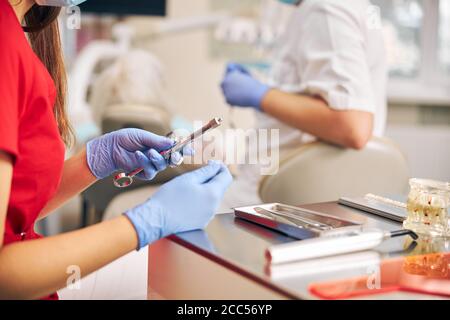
(28, 129)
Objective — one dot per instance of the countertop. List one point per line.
(240, 246)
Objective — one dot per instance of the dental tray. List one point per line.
(295, 222)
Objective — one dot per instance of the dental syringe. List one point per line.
(123, 180)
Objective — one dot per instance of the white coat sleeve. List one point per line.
(334, 57)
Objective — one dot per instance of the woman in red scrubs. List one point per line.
(35, 179)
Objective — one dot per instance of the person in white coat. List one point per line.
(328, 82)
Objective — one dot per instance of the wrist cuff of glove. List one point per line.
(91, 160)
(148, 223)
(260, 94)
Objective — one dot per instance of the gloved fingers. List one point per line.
(176, 159)
(128, 161)
(222, 180)
(228, 84)
(232, 66)
(188, 151)
(235, 79)
(146, 140)
(157, 160)
(144, 162)
(231, 78)
(203, 174)
(223, 86)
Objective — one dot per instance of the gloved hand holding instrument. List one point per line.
(197, 193)
(138, 152)
(123, 180)
(187, 202)
(128, 149)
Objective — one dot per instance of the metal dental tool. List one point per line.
(293, 219)
(123, 180)
(296, 222)
(332, 245)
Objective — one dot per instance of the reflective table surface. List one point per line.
(398, 269)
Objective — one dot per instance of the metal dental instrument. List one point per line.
(298, 223)
(332, 245)
(295, 219)
(123, 180)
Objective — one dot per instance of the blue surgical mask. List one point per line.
(59, 3)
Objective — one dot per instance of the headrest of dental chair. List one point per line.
(320, 172)
(148, 118)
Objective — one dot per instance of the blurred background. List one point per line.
(170, 55)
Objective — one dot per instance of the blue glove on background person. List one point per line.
(241, 89)
(188, 202)
(232, 66)
(129, 149)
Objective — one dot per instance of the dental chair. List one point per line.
(153, 119)
(320, 172)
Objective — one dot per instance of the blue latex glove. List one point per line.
(241, 89)
(235, 67)
(59, 3)
(129, 149)
(185, 203)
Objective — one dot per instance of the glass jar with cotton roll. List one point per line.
(427, 207)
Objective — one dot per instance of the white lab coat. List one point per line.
(334, 49)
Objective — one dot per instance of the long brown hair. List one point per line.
(43, 33)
